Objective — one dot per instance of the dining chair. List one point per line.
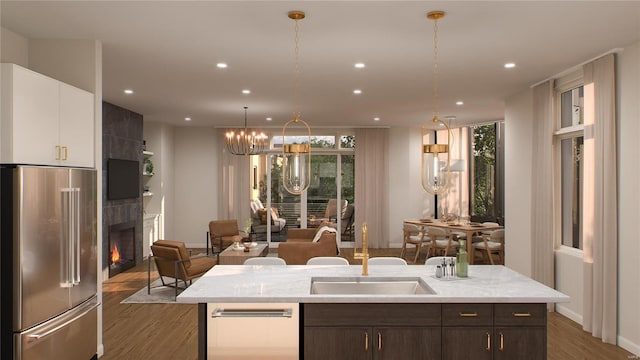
(437, 260)
(477, 237)
(264, 261)
(442, 241)
(414, 235)
(327, 260)
(492, 244)
(387, 260)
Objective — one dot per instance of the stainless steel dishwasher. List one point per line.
(253, 331)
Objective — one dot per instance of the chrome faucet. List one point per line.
(364, 255)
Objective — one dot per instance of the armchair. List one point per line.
(259, 218)
(172, 260)
(300, 247)
(224, 232)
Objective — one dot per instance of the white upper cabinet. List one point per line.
(44, 121)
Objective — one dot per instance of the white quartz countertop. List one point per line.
(292, 283)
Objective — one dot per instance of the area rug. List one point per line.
(159, 295)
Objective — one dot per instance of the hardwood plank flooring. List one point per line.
(169, 331)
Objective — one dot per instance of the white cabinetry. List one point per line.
(44, 121)
(150, 228)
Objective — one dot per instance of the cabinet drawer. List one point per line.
(372, 314)
(467, 314)
(521, 314)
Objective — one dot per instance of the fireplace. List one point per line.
(122, 253)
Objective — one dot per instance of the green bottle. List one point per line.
(462, 263)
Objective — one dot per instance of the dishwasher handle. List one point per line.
(251, 313)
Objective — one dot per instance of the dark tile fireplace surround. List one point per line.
(122, 219)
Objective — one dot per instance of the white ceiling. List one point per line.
(166, 51)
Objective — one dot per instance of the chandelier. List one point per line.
(435, 160)
(296, 157)
(246, 141)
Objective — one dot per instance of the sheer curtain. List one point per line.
(234, 185)
(372, 192)
(600, 189)
(542, 200)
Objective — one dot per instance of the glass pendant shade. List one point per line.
(245, 141)
(436, 166)
(296, 162)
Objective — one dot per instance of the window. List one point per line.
(486, 173)
(570, 145)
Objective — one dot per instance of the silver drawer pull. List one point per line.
(470, 314)
(521, 314)
(247, 313)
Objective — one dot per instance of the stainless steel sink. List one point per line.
(369, 286)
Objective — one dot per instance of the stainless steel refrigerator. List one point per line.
(48, 263)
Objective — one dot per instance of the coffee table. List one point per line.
(237, 257)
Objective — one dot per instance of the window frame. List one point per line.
(563, 84)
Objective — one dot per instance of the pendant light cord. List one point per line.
(296, 76)
(435, 69)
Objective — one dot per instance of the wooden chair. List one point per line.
(442, 241)
(172, 260)
(414, 235)
(491, 244)
(222, 233)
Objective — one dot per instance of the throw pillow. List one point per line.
(263, 216)
(274, 213)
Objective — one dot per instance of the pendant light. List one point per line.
(296, 158)
(246, 141)
(435, 158)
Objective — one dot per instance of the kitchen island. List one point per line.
(494, 313)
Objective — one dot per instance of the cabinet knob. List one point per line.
(501, 342)
(366, 341)
(58, 152)
(521, 314)
(66, 153)
(379, 342)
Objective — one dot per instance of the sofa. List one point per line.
(259, 218)
(300, 247)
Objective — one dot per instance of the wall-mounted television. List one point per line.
(123, 179)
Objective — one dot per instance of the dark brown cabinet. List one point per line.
(372, 331)
(488, 331)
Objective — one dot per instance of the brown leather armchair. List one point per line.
(299, 247)
(173, 260)
(222, 233)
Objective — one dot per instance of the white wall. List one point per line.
(517, 182)
(407, 199)
(14, 48)
(628, 111)
(196, 183)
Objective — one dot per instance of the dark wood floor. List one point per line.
(169, 331)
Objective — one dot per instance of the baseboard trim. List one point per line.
(100, 350)
(563, 310)
(629, 345)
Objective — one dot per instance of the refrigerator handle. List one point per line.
(76, 207)
(67, 277)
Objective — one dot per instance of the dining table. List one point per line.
(467, 228)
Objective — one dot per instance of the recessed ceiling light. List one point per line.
(459, 102)
(269, 119)
(246, 91)
(221, 65)
(509, 65)
(128, 91)
(359, 65)
(357, 91)
(376, 119)
(187, 119)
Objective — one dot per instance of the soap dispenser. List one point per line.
(462, 261)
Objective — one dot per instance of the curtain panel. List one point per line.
(234, 185)
(372, 192)
(542, 195)
(600, 220)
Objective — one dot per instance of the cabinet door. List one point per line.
(34, 120)
(76, 126)
(467, 343)
(407, 343)
(522, 343)
(348, 343)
